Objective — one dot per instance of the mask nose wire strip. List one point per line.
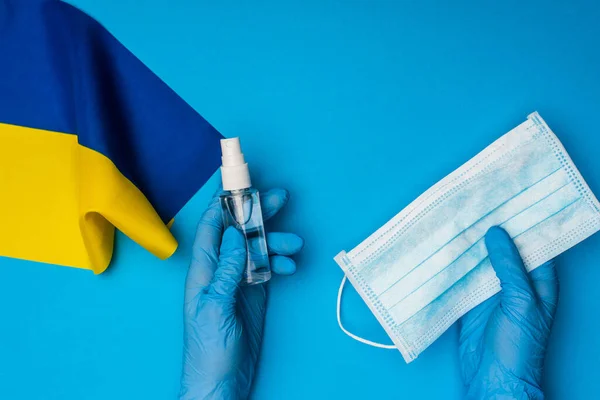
(352, 335)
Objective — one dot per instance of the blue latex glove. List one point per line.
(223, 322)
(503, 340)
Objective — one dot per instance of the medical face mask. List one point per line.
(428, 265)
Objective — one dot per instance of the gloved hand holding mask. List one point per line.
(503, 340)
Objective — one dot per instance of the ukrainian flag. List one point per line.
(90, 140)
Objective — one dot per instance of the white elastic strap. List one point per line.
(352, 335)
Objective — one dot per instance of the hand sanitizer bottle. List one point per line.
(241, 209)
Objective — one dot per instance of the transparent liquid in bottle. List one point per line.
(241, 209)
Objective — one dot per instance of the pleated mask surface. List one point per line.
(428, 266)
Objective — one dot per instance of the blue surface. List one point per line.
(356, 107)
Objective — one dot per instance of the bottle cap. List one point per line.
(234, 169)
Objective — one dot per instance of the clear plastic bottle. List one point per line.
(241, 208)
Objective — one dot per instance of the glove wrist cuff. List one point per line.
(514, 389)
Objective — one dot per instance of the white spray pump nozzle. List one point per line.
(232, 152)
(234, 169)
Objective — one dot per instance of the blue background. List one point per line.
(356, 107)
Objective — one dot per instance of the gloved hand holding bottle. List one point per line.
(224, 321)
(503, 340)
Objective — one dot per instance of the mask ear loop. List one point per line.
(352, 335)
